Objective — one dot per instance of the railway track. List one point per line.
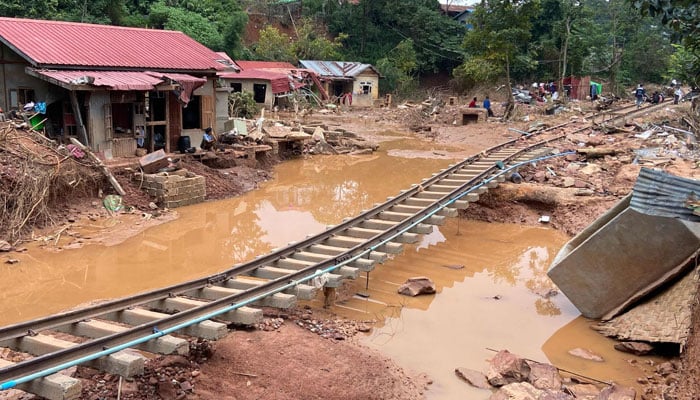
(98, 336)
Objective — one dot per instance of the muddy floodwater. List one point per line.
(493, 292)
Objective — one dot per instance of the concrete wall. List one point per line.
(370, 78)
(247, 86)
(221, 108)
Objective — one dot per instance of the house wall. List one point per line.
(365, 100)
(12, 76)
(247, 86)
(221, 108)
(95, 120)
(207, 115)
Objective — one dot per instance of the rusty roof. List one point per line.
(61, 44)
(114, 80)
(337, 69)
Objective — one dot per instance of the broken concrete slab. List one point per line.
(416, 286)
(474, 378)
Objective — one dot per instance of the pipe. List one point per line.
(158, 333)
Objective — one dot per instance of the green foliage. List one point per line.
(476, 70)
(273, 46)
(242, 105)
(398, 69)
(682, 15)
(684, 65)
(313, 45)
(192, 24)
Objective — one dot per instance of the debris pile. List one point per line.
(513, 377)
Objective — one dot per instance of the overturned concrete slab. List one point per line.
(626, 253)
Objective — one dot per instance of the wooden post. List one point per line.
(82, 133)
(105, 170)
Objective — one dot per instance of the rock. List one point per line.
(540, 176)
(360, 152)
(417, 285)
(583, 391)
(364, 328)
(555, 396)
(585, 354)
(544, 376)
(166, 391)
(507, 368)
(172, 361)
(5, 246)
(474, 378)
(517, 391)
(665, 369)
(590, 169)
(186, 386)
(636, 348)
(11, 261)
(584, 192)
(615, 392)
(130, 388)
(318, 135)
(152, 206)
(580, 184)
(569, 182)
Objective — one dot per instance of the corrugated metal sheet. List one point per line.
(337, 69)
(665, 195)
(246, 65)
(115, 80)
(57, 43)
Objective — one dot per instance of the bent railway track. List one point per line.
(98, 335)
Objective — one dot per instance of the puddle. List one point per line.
(492, 302)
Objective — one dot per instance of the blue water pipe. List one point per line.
(159, 333)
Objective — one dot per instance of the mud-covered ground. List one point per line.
(282, 359)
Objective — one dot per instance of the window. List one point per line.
(237, 87)
(20, 97)
(366, 87)
(259, 92)
(191, 115)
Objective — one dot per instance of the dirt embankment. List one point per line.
(332, 366)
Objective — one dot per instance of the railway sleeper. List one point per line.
(167, 344)
(53, 387)
(301, 291)
(377, 256)
(406, 237)
(277, 300)
(241, 316)
(363, 264)
(209, 330)
(295, 264)
(122, 363)
(334, 280)
(350, 242)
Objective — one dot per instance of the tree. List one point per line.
(499, 41)
(273, 46)
(192, 24)
(398, 69)
(312, 44)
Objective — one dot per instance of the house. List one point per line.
(115, 88)
(340, 78)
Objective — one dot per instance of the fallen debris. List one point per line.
(417, 286)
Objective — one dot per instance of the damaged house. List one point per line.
(114, 88)
(353, 83)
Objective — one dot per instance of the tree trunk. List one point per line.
(565, 51)
(510, 106)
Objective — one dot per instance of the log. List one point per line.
(596, 152)
(105, 170)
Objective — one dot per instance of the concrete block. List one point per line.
(52, 387)
(241, 315)
(209, 330)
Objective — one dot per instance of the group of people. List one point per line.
(486, 104)
(657, 97)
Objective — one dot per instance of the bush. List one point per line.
(242, 105)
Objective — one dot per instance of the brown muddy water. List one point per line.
(492, 286)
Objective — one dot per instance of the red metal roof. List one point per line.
(245, 65)
(116, 80)
(69, 44)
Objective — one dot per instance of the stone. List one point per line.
(555, 396)
(569, 182)
(5, 246)
(636, 348)
(166, 391)
(544, 376)
(665, 369)
(152, 206)
(474, 378)
(615, 392)
(505, 367)
(185, 386)
(416, 286)
(583, 391)
(585, 354)
(580, 184)
(590, 169)
(517, 391)
(540, 176)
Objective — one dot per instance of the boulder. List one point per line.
(544, 376)
(474, 378)
(507, 368)
(517, 391)
(417, 285)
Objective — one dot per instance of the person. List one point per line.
(207, 140)
(472, 104)
(677, 94)
(639, 94)
(656, 98)
(487, 106)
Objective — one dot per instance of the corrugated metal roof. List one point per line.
(664, 195)
(246, 65)
(69, 44)
(117, 80)
(337, 69)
